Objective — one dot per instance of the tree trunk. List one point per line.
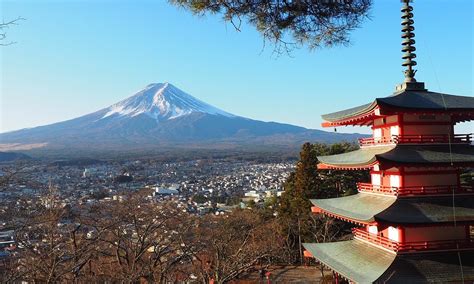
(299, 241)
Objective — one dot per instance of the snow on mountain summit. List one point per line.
(146, 121)
(162, 101)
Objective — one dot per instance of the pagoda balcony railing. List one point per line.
(417, 139)
(414, 190)
(413, 246)
(368, 187)
(370, 141)
(375, 239)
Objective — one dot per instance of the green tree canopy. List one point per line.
(314, 23)
(307, 182)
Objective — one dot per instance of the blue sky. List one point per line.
(75, 57)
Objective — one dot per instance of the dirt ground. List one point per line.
(289, 274)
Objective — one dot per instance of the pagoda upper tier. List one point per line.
(407, 99)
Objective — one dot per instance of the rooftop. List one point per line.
(462, 107)
(443, 209)
(441, 267)
(366, 208)
(401, 154)
(355, 260)
(364, 263)
(360, 207)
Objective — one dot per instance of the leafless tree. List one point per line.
(51, 247)
(4, 25)
(130, 241)
(13, 173)
(140, 240)
(327, 229)
(235, 244)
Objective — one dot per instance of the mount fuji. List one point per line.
(161, 102)
(161, 116)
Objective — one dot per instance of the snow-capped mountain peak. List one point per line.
(147, 121)
(162, 101)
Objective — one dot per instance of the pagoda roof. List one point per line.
(407, 101)
(366, 208)
(363, 157)
(422, 210)
(401, 154)
(355, 260)
(365, 263)
(436, 267)
(360, 207)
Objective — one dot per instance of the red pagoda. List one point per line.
(415, 219)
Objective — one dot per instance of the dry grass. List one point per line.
(19, 146)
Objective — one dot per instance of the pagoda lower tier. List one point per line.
(368, 208)
(406, 225)
(361, 262)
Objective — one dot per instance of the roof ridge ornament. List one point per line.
(408, 42)
(408, 48)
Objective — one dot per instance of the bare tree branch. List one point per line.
(5, 25)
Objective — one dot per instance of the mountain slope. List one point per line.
(162, 115)
(12, 156)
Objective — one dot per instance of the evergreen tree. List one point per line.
(306, 177)
(314, 23)
(307, 182)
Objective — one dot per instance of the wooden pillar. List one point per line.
(401, 234)
(400, 124)
(401, 172)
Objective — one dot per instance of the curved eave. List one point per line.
(366, 119)
(361, 115)
(359, 208)
(460, 107)
(323, 166)
(409, 155)
(354, 260)
(367, 208)
(361, 262)
(359, 159)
